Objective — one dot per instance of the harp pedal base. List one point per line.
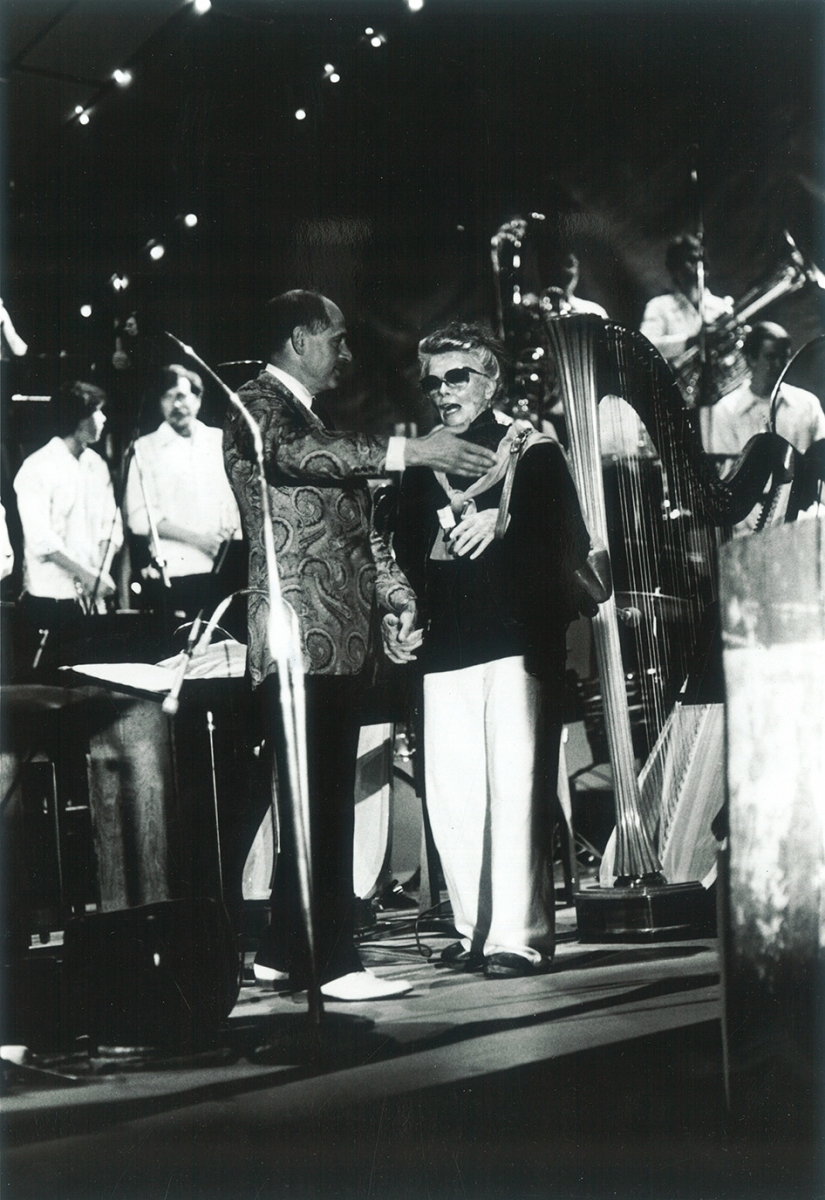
(670, 912)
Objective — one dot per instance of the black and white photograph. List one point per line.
(412, 599)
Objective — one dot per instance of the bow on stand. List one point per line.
(283, 633)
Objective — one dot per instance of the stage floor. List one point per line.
(601, 1079)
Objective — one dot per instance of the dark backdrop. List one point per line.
(385, 197)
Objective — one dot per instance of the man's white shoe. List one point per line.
(268, 974)
(364, 985)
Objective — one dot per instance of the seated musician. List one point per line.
(71, 527)
(494, 616)
(746, 411)
(177, 489)
(673, 321)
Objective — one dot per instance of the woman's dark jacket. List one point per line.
(518, 597)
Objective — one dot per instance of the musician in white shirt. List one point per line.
(177, 478)
(673, 321)
(71, 525)
(746, 411)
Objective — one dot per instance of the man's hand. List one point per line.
(474, 533)
(89, 582)
(209, 543)
(401, 638)
(443, 451)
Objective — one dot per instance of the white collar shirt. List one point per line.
(184, 482)
(728, 426)
(295, 386)
(670, 320)
(66, 504)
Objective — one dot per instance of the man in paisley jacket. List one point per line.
(331, 569)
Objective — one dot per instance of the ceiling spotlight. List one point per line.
(85, 310)
(83, 118)
(78, 109)
(122, 78)
(156, 252)
(378, 40)
(328, 69)
(331, 74)
(335, 77)
(415, 5)
(201, 6)
(300, 114)
(369, 31)
(190, 220)
(119, 282)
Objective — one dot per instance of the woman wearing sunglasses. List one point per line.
(492, 564)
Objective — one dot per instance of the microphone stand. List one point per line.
(154, 540)
(120, 497)
(704, 372)
(284, 643)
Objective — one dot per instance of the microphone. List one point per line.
(172, 703)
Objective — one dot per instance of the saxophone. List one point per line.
(519, 315)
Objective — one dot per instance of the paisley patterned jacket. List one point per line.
(334, 569)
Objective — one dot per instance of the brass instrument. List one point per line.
(518, 321)
(724, 367)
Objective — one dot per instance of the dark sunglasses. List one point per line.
(455, 377)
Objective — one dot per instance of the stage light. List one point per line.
(516, 261)
(122, 78)
(78, 109)
(85, 310)
(377, 41)
(415, 5)
(119, 282)
(331, 74)
(335, 77)
(201, 6)
(190, 220)
(157, 251)
(83, 118)
(300, 114)
(369, 31)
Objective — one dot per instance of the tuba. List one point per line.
(724, 366)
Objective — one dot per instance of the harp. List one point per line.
(674, 509)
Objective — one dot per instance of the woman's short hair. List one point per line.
(74, 402)
(167, 378)
(473, 338)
